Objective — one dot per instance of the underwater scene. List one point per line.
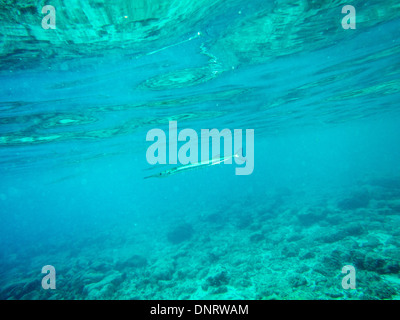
(191, 150)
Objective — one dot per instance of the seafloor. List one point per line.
(290, 245)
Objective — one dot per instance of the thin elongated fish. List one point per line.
(196, 165)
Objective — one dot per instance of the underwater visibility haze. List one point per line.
(79, 94)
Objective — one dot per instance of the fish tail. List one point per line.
(239, 155)
(152, 176)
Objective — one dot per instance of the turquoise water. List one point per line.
(77, 102)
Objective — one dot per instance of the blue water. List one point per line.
(325, 191)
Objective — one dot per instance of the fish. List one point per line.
(197, 165)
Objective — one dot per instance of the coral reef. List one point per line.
(263, 250)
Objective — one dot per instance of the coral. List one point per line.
(357, 200)
(309, 216)
(217, 280)
(181, 233)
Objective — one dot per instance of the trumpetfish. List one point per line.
(196, 165)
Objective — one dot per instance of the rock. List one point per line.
(217, 218)
(257, 237)
(134, 261)
(356, 201)
(181, 233)
(374, 262)
(219, 290)
(322, 270)
(165, 272)
(213, 257)
(334, 294)
(302, 269)
(104, 288)
(14, 291)
(115, 278)
(104, 292)
(391, 267)
(353, 229)
(333, 237)
(372, 242)
(333, 261)
(395, 206)
(358, 258)
(307, 255)
(381, 290)
(389, 183)
(290, 251)
(100, 266)
(309, 216)
(243, 223)
(386, 212)
(30, 296)
(33, 285)
(219, 279)
(295, 237)
(92, 277)
(297, 281)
